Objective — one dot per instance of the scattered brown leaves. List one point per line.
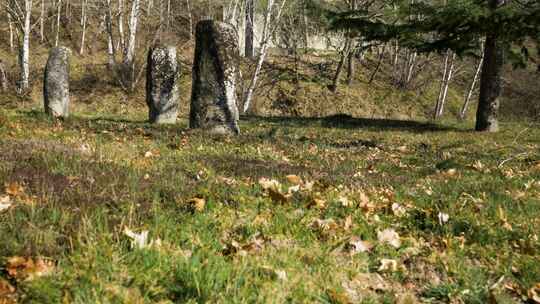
(6, 288)
(22, 268)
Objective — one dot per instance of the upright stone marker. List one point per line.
(56, 82)
(161, 85)
(213, 100)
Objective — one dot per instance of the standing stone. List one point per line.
(161, 85)
(56, 82)
(213, 99)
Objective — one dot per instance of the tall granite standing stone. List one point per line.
(162, 85)
(56, 82)
(213, 99)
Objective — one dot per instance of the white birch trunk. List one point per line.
(471, 89)
(121, 24)
(129, 50)
(265, 39)
(83, 23)
(190, 16)
(58, 23)
(445, 83)
(42, 22)
(11, 46)
(111, 54)
(24, 51)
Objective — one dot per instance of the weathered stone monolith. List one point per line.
(213, 99)
(161, 85)
(56, 82)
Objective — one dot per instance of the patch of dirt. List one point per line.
(40, 179)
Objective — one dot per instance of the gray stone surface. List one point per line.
(213, 99)
(162, 85)
(56, 82)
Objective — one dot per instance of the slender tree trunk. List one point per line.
(490, 81)
(83, 23)
(441, 88)
(463, 111)
(190, 16)
(265, 40)
(59, 11)
(446, 85)
(129, 51)
(111, 52)
(339, 70)
(168, 14)
(378, 67)
(42, 22)
(410, 70)
(24, 50)
(350, 68)
(122, 40)
(11, 46)
(249, 44)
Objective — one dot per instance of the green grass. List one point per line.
(86, 179)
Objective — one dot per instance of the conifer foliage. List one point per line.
(510, 28)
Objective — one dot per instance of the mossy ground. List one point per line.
(79, 183)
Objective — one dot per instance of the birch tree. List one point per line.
(249, 34)
(84, 19)
(20, 12)
(272, 15)
(447, 74)
(129, 48)
(463, 111)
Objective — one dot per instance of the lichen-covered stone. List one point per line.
(56, 82)
(162, 85)
(213, 99)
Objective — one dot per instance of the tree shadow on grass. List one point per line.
(343, 121)
(110, 124)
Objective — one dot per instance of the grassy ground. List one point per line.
(372, 211)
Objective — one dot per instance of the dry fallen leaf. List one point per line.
(477, 165)
(358, 245)
(389, 236)
(534, 293)
(344, 201)
(14, 189)
(197, 204)
(318, 203)
(28, 268)
(269, 183)
(138, 240)
(324, 225)
(5, 203)
(5, 288)
(443, 218)
(348, 223)
(294, 179)
(274, 273)
(398, 210)
(388, 265)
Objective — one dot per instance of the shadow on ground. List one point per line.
(343, 121)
